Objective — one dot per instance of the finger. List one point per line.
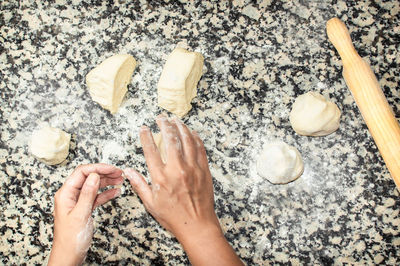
(71, 189)
(71, 194)
(106, 196)
(101, 169)
(171, 139)
(151, 153)
(201, 151)
(105, 181)
(140, 186)
(188, 143)
(87, 196)
(78, 177)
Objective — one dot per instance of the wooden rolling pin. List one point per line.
(369, 97)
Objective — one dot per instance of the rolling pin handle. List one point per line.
(339, 36)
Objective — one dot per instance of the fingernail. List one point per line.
(132, 175)
(117, 193)
(143, 128)
(92, 179)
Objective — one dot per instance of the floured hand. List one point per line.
(181, 196)
(73, 206)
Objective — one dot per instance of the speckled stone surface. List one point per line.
(259, 56)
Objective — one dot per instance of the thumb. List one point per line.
(88, 195)
(140, 186)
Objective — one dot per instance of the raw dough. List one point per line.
(50, 145)
(178, 81)
(158, 140)
(313, 115)
(279, 163)
(108, 82)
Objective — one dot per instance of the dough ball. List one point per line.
(279, 163)
(160, 145)
(50, 145)
(178, 82)
(108, 81)
(313, 115)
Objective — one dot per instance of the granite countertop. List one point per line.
(259, 55)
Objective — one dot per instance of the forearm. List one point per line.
(209, 247)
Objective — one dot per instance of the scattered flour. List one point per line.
(112, 149)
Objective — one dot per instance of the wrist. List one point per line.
(207, 245)
(63, 256)
(200, 233)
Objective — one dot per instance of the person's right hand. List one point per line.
(181, 196)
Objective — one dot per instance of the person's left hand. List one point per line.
(73, 206)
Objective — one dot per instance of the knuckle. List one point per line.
(84, 165)
(182, 171)
(199, 173)
(186, 177)
(183, 174)
(162, 182)
(79, 168)
(167, 186)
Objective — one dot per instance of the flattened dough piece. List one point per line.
(313, 115)
(280, 163)
(178, 82)
(108, 81)
(50, 145)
